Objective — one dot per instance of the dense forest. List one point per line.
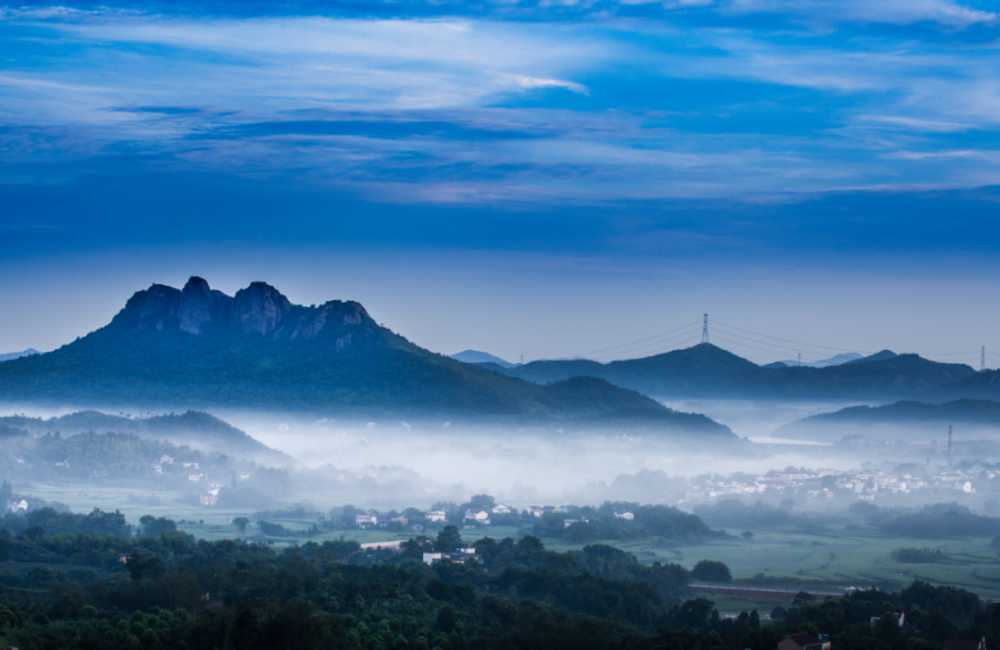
(83, 581)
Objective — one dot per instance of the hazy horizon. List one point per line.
(523, 179)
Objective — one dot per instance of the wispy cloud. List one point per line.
(464, 110)
(901, 12)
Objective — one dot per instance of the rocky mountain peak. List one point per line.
(197, 305)
(260, 307)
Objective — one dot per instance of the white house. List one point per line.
(581, 520)
(435, 515)
(17, 505)
(478, 516)
(627, 516)
(501, 509)
(460, 555)
(366, 519)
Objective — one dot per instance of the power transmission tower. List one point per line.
(704, 330)
(982, 360)
(800, 358)
(949, 448)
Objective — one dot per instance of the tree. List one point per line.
(747, 535)
(241, 524)
(712, 571)
(150, 525)
(446, 619)
(6, 492)
(481, 502)
(449, 539)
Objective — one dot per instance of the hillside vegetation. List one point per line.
(200, 348)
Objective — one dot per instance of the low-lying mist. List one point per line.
(389, 462)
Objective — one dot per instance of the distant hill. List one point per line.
(699, 370)
(905, 419)
(878, 356)
(903, 376)
(474, 356)
(651, 422)
(17, 355)
(835, 360)
(196, 429)
(708, 371)
(199, 348)
(978, 385)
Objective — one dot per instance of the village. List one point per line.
(842, 486)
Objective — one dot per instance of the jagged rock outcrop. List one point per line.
(259, 309)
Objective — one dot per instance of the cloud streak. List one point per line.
(462, 110)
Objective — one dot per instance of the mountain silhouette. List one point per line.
(900, 419)
(707, 371)
(197, 348)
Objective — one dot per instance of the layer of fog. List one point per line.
(387, 461)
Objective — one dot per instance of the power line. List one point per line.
(678, 346)
(633, 347)
(745, 345)
(810, 345)
(770, 344)
(648, 338)
(655, 344)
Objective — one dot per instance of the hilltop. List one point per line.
(17, 355)
(655, 423)
(700, 370)
(199, 348)
(194, 428)
(707, 371)
(905, 419)
(475, 356)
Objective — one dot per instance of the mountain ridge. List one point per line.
(8, 356)
(475, 356)
(881, 421)
(707, 371)
(199, 348)
(193, 427)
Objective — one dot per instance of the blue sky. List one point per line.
(484, 174)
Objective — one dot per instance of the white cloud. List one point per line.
(900, 12)
(881, 98)
(529, 83)
(911, 123)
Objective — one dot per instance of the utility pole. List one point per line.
(704, 330)
(522, 359)
(982, 359)
(949, 448)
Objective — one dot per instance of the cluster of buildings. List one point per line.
(830, 484)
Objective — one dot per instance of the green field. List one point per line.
(858, 557)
